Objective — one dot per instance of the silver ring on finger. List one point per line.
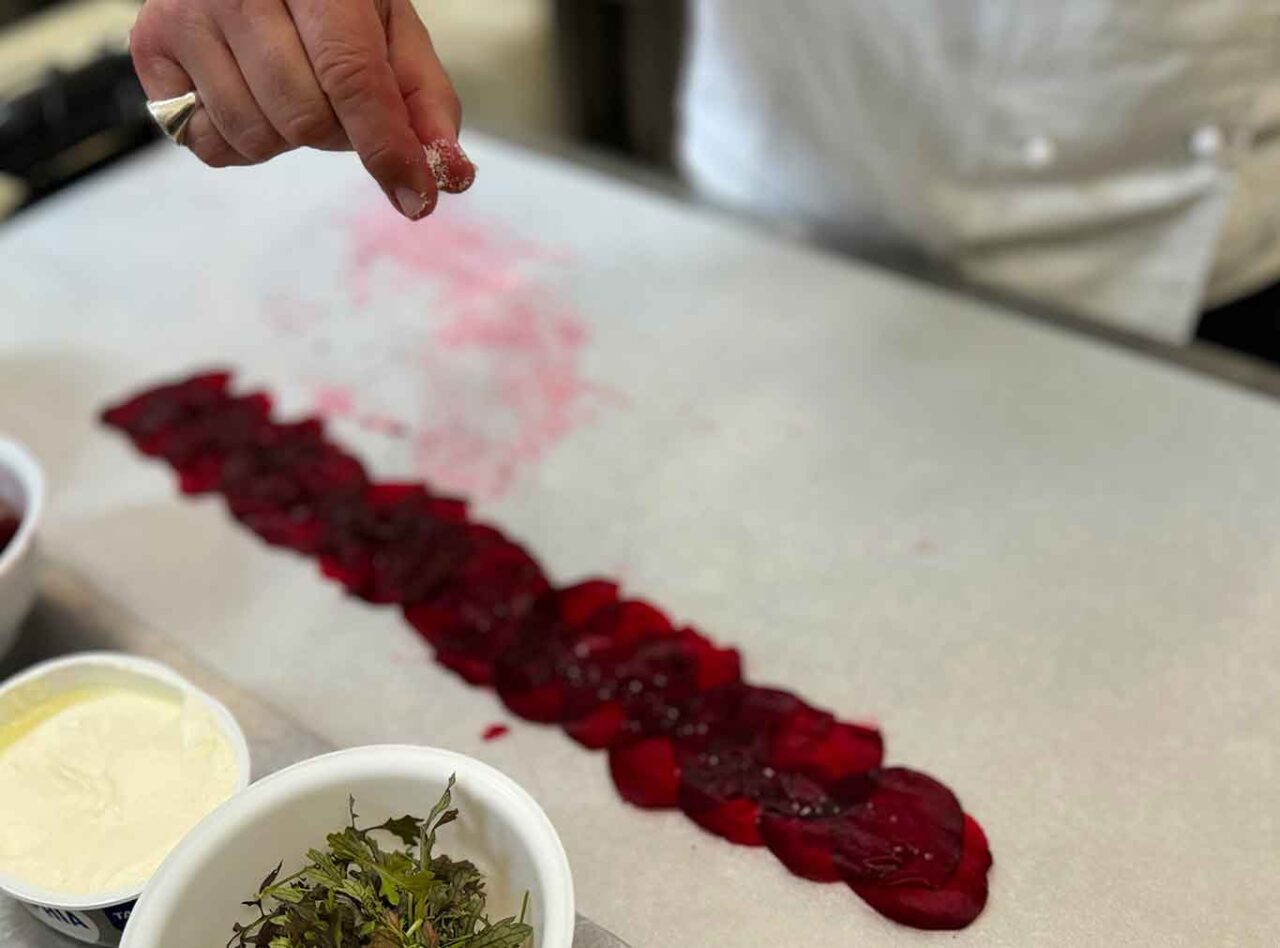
(174, 115)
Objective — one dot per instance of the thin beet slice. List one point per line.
(604, 668)
(613, 657)
(721, 790)
(153, 412)
(729, 753)
(579, 602)
(646, 688)
(287, 465)
(391, 547)
(955, 904)
(813, 742)
(296, 528)
(802, 845)
(281, 484)
(197, 447)
(796, 825)
(600, 728)
(647, 668)
(524, 673)
(646, 772)
(896, 827)
(473, 619)
(729, 788)
(551, 653)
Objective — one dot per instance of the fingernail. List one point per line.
(450, 166)
(412, 204)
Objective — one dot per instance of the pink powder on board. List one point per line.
(334, 400)
(501, 352)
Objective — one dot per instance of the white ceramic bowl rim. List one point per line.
(22, 464)
(144, 668)
(498, 791)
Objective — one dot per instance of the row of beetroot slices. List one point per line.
(756, 766)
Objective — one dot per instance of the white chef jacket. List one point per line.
(1115, 159)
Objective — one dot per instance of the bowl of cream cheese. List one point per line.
(106, 762)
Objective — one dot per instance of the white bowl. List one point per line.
(22, 488)
(98, 917)
(195, 896)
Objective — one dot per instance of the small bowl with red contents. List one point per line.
(21, 507)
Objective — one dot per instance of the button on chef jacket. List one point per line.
(1114, 159)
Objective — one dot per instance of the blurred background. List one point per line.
(598, 72)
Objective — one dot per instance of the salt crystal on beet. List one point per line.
(953, 904)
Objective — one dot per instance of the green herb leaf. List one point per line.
(404, 828)
(355, 894)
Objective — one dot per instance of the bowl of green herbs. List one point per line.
(373, 847)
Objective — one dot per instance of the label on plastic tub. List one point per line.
(77, 925)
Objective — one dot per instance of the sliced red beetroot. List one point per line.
(646, 773)
(737, 714)
(646, 681)
(955, 904)
(197, 445)
(200, 477)
(549, 650)
(223, 428)
(417, 570)
(802, 845)
(623, 656)
(599, 728)
(473, 619)
(614, 655)
(474, 671)
(728, 788)
(737, 820)
(390, 548)
(721, 788)
(733, 792)
(716, 666)
(287, 484)
(295, 529)
(290, 464)
(541, 703)
(155, 411)
(896, 827)
(528, 663)
(580, 602)
(199, 448)
(813, 742)
(753, 765)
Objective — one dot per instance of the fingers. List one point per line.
(226, 100)
(264, 41)
(163, 78)
(434, 109)
(279, 74)
(346, 43)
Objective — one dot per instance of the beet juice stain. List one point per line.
(682, 728)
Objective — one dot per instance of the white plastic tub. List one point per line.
(99, 917)
(194, 898)
(22, 488)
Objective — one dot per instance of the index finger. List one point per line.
(346, 42)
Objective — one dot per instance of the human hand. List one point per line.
(274, 75)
